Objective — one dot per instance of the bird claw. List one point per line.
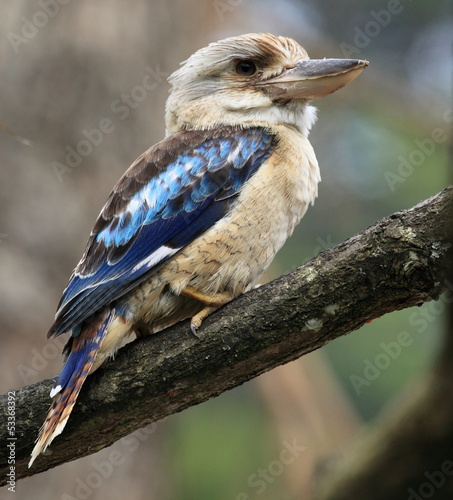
(194, 330)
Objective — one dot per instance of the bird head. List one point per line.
(253, 80)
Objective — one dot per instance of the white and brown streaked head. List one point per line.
(253, 79)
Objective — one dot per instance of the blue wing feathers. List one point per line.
(168, 197)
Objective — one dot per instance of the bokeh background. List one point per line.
(382, 144)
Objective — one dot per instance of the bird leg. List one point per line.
(211, 301)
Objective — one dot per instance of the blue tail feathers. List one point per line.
(81, 352)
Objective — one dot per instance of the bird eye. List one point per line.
(246, 68)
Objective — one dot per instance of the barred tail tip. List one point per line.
(60, 410)
(83, 351)
(45, 438)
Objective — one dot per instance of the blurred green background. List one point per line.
(382, 145)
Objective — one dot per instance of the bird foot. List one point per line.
(212, 301)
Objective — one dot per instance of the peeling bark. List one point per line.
(398, 262)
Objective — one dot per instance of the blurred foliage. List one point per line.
(219, 443)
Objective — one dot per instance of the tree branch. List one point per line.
(398, 262)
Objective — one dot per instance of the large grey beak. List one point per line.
(313, 79)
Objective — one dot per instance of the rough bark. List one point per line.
(398, 262)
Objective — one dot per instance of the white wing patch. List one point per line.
(151, 260)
